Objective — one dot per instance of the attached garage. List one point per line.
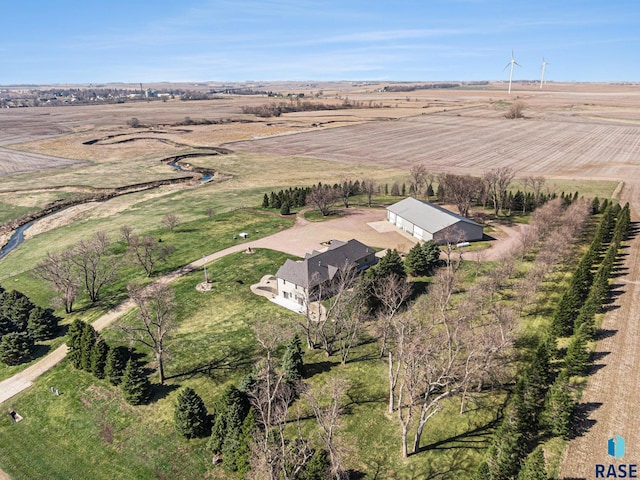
(427, 221)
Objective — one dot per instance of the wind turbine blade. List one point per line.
(508, 65)
(517, 63)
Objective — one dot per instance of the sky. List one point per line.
(131, 41)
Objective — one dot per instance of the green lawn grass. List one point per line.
(90, 429)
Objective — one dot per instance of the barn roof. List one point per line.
(427, 216)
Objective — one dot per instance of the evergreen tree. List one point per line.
(404, 189)
(135, 384)
(595, 206)
(232, 399)
(285, 209)
(559, 407)
(390, 263)
(74, 335)
(422, 258)
(190, 414)
(232, 438)
(265, 201)
(87, 341)
(577, 354)
(430, 192)
(506, 450)
(564, 316)
(386, 189)
(534, 466)
(243, 452)
(99, 358)
(6, 325)
(318, 467)
(292, 363)
(16, 306)
(16, 348)
(42, 324)
(395, 189)
(115, 364)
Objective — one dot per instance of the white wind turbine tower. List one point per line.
(511, 63)
(544, 66)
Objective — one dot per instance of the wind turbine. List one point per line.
(511, 63)
(544, 65)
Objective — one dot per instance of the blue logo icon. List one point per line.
(615, 447)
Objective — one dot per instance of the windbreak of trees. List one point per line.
(276, 109)
(543, 402)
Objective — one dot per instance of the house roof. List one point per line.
(318, 267)
(427, 216)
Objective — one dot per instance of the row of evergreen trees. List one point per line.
(22, 324)
(542, 404)
(88, 351)
(294, 197)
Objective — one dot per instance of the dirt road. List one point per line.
(609, 404)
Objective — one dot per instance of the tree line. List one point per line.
(494, 189)
(544, 401)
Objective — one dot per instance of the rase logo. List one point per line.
(615, 449)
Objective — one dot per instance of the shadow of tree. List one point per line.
(158, 391)
(582, 422)
(477, 437)
(605, 333)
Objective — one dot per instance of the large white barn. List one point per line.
(427, 221)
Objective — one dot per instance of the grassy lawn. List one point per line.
(90, 429)
(191, 239)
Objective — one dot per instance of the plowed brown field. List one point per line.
(471, 141)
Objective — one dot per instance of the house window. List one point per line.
(286, 295)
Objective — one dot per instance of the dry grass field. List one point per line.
(571, 134)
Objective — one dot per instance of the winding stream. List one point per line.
(16, 239)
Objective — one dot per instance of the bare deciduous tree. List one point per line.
(393, 292)
(346, 191)
(171, 221)
(322, 197)
(274, 456)
(417, 177)
(148, 252)
(126, 231)
(58, 269)
(497, 182)
(328, 412)
(156, 317)
(461, 190)
(95, 268)
(368, 187)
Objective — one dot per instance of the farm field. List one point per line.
(470, 141)
(579, 137)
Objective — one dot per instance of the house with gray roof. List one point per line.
(300, 281)
(427, 221)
